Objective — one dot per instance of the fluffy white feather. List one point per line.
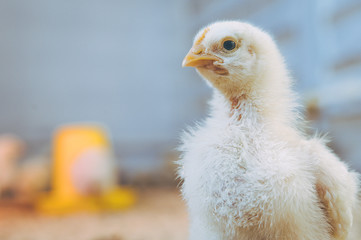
(248, 172)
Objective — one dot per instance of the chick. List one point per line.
(33, 178)
(249, 172)
(11, 150)
(93, 172)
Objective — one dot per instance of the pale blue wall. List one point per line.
(114, 62)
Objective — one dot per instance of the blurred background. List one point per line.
(117, 64)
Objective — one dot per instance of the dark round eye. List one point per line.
(229, 45)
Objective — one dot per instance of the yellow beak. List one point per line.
(196, 58)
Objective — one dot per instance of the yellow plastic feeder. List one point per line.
(76, 144)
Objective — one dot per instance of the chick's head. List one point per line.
(233, 56)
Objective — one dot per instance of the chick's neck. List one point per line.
(261, 107)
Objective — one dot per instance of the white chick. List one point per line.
(33, 177)
(249, 173)
(11, 149)
(93, 172)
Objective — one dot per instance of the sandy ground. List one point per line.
(159, 214)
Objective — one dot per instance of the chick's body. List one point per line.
(249, 174)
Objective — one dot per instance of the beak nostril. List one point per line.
(198, 50)
(198, 57)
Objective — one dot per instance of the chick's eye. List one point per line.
(229, 45)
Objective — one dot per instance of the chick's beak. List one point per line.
(197, 57)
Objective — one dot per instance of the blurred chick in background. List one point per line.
(93, 172)
(33, 177)
(11, 150)
(21, 180)
(249, 172)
